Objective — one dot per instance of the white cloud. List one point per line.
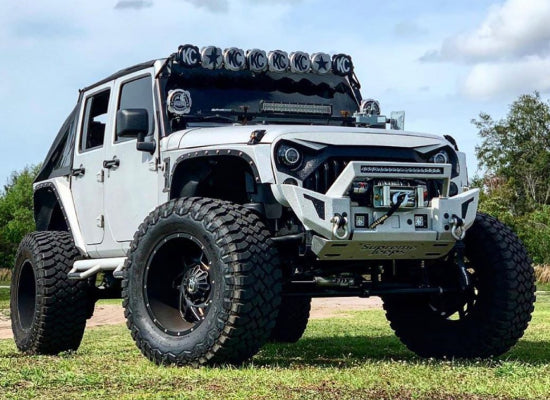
(487, 80)
(222, 6)
(133, 4)
(507, 54)
(211, 5)
(514, 29)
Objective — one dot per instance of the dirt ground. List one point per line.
(110, 314)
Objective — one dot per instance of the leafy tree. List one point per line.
(16, 212)
(516, 153)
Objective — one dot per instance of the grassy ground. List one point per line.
(4, 299)
(346, 358)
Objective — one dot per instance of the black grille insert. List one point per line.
(325, 175)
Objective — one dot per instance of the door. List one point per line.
(131, 184)
(86, 176)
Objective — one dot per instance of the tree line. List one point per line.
(514, 155)
(515, 184)
(16, 213)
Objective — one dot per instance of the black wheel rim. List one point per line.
(26, 295)
(178, 284)
(458, 306)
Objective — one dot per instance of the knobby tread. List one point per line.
(251, 290)
(62, 306)
(501, 314)
(292, 319)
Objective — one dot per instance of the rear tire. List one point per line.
(292, 319)
(201, 284)
(491, 317)
(48, 310)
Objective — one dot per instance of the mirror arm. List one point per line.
(142, 145)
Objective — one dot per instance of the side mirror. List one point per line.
(134, 123)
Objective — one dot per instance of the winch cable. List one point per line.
(400, 199)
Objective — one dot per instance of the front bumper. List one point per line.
(397, 237)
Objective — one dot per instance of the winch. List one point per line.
(384, 194)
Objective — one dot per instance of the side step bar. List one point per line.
(83, 269)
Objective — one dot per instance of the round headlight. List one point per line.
(289, 156)
(441, 158)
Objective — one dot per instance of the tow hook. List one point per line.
(340, 228)
(458, 233)
(457, 228)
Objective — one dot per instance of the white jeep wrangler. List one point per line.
(218, 191)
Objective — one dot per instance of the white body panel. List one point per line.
(87, 189)
(219, 136)
(112, 202)
(131, 189)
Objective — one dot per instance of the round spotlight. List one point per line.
(188, 56)
(257, 60)
(211, 57)
(299, 62)
(342, 64)
(289, 156)
(277, 61)
(234, 59)
(441, 158)
(320, 63)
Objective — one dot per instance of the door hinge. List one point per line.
(153, 164)
(100, 176)
(100, 221)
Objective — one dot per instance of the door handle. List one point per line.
(78, 171)
(108, 164)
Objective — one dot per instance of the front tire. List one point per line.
(48, 310)
(202, 283)
(485, 321)
(292, 319)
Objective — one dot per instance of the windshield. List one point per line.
(244, 96)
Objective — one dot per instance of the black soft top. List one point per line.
(121, 73)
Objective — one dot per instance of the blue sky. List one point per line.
(441, 61)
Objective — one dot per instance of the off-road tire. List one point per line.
(244, 274)
(502, 310)
(292, 319)
(48, 310)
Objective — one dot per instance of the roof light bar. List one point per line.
(255, 60)
(297, 108)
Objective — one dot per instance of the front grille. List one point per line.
(324, 176)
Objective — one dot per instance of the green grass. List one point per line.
(4, 300)
(346, 358)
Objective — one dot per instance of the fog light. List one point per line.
(361, 220)
(420, 221)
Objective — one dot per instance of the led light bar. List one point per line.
(373, 169)
(296, 108)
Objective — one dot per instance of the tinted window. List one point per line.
(95, 116)
(138, 94)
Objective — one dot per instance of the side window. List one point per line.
(137, 94)
(95, 116)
